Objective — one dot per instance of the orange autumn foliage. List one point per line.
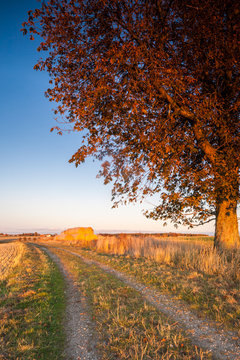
(154, 85)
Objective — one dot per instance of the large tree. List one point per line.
(154, 87)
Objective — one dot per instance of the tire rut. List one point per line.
(80, 336)
(207, 334)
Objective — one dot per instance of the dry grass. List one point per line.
(128, 327)
(193, 253)
(31, 307)
(190, 269)
(10, 255)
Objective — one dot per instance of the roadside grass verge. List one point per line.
(127, 327)
(32, 306)
(212, 294)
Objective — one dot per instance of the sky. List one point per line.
(39, 189)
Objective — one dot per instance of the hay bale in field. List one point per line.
(78, 234)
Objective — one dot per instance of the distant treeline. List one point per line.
(30, 234)
(23, 234)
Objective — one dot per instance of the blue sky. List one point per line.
(39, 189)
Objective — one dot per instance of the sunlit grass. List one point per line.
(32, 307)
(192, 253)
(127, 327)
(188, 269)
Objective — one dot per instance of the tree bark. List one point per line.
(226, 227)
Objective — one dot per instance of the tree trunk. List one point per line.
(226, 227)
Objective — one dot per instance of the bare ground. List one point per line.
(209, 335)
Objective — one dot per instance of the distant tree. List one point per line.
(156, 85)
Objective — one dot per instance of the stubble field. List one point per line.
(10, 254)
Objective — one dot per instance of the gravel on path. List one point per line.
(207, 334)
(80, 335)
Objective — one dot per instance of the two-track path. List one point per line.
(209, 335)
(80, 335)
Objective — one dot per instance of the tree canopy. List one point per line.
(156, 85)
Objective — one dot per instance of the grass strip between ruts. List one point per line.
(32, 308)
(128, 327)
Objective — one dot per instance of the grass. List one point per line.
(32, 307)
(127, 327)
(206, 279)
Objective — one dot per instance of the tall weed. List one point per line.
(190, 254)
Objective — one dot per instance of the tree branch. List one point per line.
(204, 144)
(205, 222)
